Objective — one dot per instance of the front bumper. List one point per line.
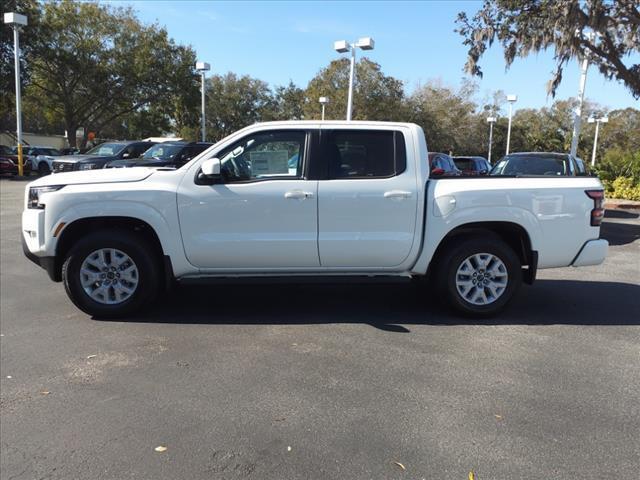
(592, 252)
(48, 263)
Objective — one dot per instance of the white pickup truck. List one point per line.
(307, 198)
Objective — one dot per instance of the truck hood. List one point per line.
(109, 175)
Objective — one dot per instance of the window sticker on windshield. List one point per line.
(269, 163)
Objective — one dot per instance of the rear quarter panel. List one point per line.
(555, 212)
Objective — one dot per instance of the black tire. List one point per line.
(148, 269)
(43, 169)
(453, 257)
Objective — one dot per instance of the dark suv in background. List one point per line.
(100, 155)
(167, 154)
(540, 163)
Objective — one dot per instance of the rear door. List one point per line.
(368, 201)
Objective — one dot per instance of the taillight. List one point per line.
(597, 214)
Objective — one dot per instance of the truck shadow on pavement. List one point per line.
(618, 233)
(392, 307)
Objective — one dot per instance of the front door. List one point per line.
(262, 213)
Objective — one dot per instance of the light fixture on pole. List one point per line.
(323, 101)
(17, 21)
(490, 121)
(511, 99)
(342, 46)
(577, 121)
(203, 67)
(597, 121)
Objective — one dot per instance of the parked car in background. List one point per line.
(540, 163)
(441, 164)
(472, 165)
(8, 154)
(167, 154)
(41, 158)
(100, 155)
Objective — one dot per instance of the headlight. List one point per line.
(35, 192)
(88, 166)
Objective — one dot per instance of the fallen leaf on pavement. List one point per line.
(160, 449)
(400, 465)
(91, 356)
(498, 416)
(45, 392)
(472, 476)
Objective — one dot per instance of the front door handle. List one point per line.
(298, 195)
(397, 194)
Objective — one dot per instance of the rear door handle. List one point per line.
(298, 194)
(397, 194)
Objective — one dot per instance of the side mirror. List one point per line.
(211, 168)
(437, 172)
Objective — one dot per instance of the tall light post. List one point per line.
(577, 121)
(17, 21)
(323, 101)
(511, 99)
(203, 68)
(490, 121)
(597, 121)
(342, 46)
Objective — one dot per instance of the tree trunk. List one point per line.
(71, 134)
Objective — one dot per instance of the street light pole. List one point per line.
(511, 99)
(17, 21)
(203, 67)
(595, 139)
(491, 121)
(365, 43)
(323, 101)
(577, 122)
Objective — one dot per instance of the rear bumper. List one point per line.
(592, 252)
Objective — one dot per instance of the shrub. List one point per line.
(619, 163)
(624, 187)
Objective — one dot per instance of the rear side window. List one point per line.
(365, 154)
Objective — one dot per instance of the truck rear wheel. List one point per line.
(111, 273)
(479, 276)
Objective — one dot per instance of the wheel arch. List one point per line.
(75, 230)
(513, 234)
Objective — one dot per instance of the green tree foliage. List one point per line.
(524, 27)
(288, 103)
(235, 102)
(376, 96)
(93, 65)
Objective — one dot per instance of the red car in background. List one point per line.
(442, 165)
(9, 162)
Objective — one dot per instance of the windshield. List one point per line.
(163, 152)
(530, 165)
(107, 149)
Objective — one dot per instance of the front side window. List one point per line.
(162, 152)
(265, 155)
(365, 154)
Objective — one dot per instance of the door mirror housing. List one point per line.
(211, 168)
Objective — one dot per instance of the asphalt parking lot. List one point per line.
(291, 381)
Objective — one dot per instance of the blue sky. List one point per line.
(415, 42)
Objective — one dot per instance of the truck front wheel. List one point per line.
(111, 273)
(479, 276)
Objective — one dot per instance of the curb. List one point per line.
(622, 205)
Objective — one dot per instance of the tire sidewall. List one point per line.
(131, 245)
(465, 249)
